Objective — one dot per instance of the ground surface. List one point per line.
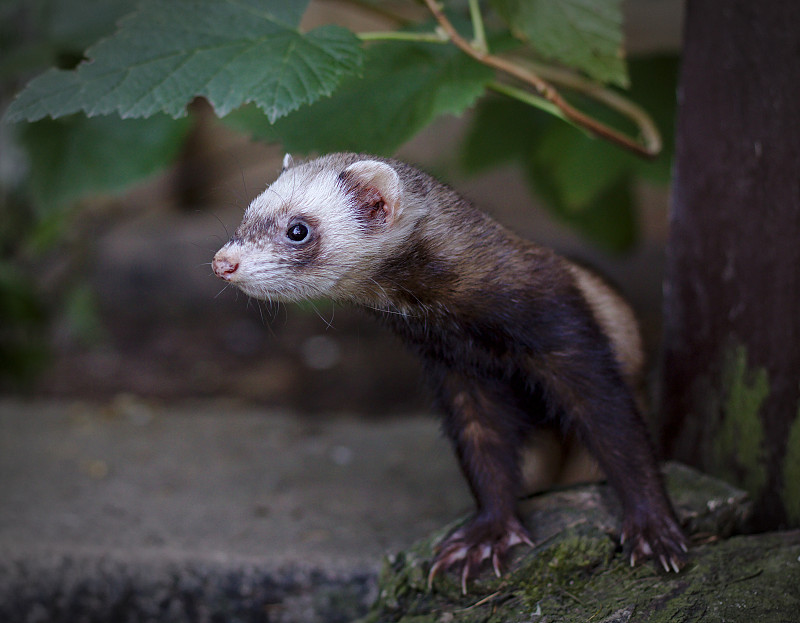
(115, 493)
(221, 480)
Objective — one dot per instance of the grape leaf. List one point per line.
(405, 86)
(583, 34)
(654, 86)
(77, 156)
(77, 24)
(607, 219)
(582, 168)
(584, 182)
(502, 130)
(229, 51)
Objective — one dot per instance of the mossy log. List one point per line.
(578, 572)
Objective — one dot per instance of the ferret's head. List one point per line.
(318, 230)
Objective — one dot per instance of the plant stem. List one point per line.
(479, 33)
(652, 142)
(395, 35)
(528, 98)
(614, 100)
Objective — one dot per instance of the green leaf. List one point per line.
(654, 86)
(405, 86)
(77, 156)
(580, 167)
(608, 219)
(583, 34)
(584, 182)
(229, 51)
(79, 23)
(502, 130)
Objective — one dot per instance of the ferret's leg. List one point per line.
(603, 411)
(487, 432)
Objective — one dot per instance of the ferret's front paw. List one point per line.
(475, 542)
(656, 537)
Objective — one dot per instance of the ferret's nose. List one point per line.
(225, 266)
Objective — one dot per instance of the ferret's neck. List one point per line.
(448, 261)
(417, 280)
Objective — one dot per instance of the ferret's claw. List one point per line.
(464, 578)
(496, 564)
(659, 538)
(525, 538)
(475, 543)
(435, 567)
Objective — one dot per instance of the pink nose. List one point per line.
(224, 267)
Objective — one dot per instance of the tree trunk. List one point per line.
(731, 368)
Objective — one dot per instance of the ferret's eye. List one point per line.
(297, 232)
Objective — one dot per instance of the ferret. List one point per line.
(513, 337)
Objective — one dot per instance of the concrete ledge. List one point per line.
(136, 511)
(82, 585)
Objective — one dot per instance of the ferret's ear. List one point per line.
(288, 162)
(377, 188)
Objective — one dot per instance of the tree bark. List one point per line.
(731, 365)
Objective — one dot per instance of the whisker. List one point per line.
(227, 235)
(276, 193)
(241, 173)
(261, 313)
(328, 323)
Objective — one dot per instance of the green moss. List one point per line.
(791, 473)
(740, 580)
(581, 579)
(569, 562)
(738, 451)
(577, 573)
